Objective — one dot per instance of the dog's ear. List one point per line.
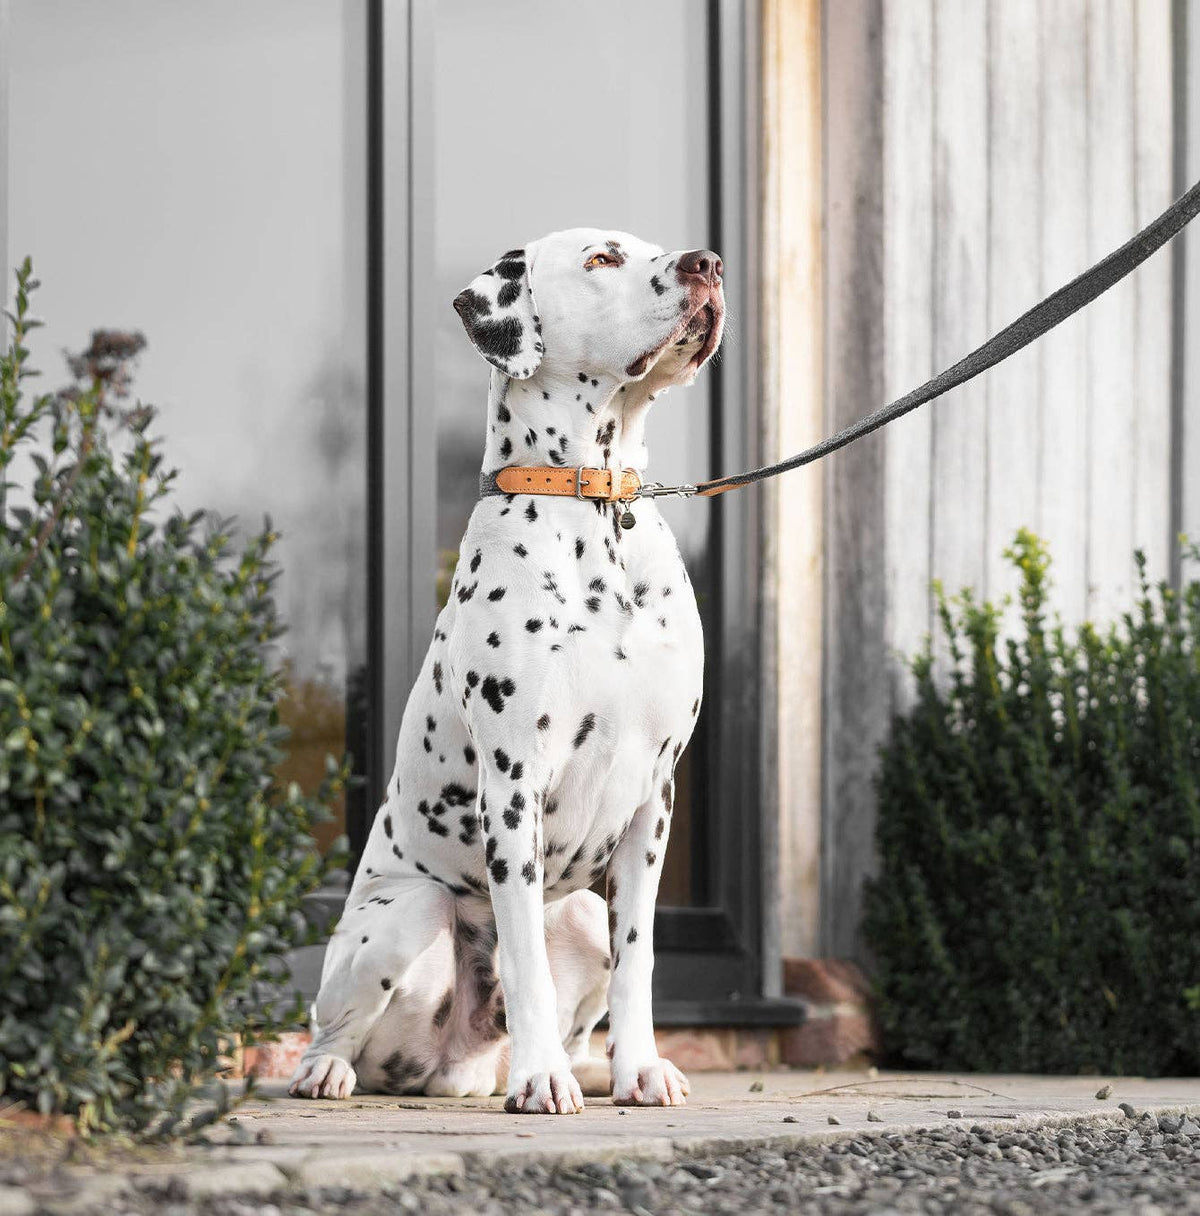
(498, 313)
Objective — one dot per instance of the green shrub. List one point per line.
(1038, 900)
(151, 871)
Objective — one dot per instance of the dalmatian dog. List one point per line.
(537, 750)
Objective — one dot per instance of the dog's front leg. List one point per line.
(639, 1075)
(539, 1076)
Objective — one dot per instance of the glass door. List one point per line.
(505, 143)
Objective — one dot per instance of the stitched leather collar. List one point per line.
(567, 483)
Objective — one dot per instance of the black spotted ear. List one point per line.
(498, 313)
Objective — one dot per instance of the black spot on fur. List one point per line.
(493, 638)
(441, 1015)
(631, 936)
(520, 551)
(585, 728)
(495, 691)
(469, 754)
(531, 511)
(518, 771)
(454, 794)
(385, 983)
(499, 870)
(387, 826)
(498, 339)
(533, 624)
(400, 1072)
(501, 758)
(543, 723)
(508, 294)
(651, 858)
(496, 593)
(529, 872)
(505, 448)
(437, 678)
(503, 414)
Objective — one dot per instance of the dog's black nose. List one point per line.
(701, 264)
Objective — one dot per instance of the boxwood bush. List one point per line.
(151, 870)
(1038, 900)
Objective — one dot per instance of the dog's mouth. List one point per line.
(703, 326)
(699, 324)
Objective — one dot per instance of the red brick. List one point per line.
(826, 981)
(830, 1039)
(696, 1049)
(277, 1059)
(755, 1049)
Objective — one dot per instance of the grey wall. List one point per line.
(980, 155)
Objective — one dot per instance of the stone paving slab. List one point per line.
(370, 1140)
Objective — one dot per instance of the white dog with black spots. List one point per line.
(538, 746)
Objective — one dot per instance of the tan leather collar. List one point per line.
(567, 483)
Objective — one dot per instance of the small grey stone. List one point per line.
(1128, 1111)
(1104, 1092)
(834, 1120)
(15, 1202)
(954, 1114)
(1170, 1123)
(756, 1087)
(790, 1119)
(698, 1169)
(872, 1117)
(1189, 1127)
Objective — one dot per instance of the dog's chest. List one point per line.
(598, 630)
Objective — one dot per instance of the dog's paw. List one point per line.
(322, 1076)
(544, 1093)
(658, 1083)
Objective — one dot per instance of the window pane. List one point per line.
(196, 171)
(595, 128)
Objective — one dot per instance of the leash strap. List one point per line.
(1040, 319)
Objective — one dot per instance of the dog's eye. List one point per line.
(599, 259)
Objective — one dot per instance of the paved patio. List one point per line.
(276, 1142)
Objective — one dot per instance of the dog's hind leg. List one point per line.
(577, 946)
(385, 927)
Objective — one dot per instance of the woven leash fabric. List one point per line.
(1039, 320)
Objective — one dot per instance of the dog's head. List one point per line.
(589, 302)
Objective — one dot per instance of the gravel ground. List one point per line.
(1144, 1166)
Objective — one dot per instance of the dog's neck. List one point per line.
(595, 422)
